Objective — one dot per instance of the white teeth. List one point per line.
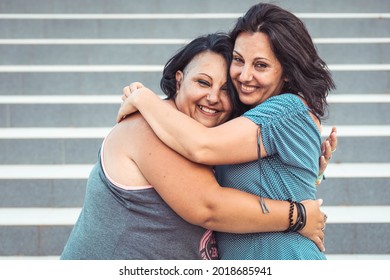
(247, 88)
(208, 110)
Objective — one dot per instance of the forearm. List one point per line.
(238, 212)
(208, 205)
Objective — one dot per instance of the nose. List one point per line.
(246, 74)
(213, 96)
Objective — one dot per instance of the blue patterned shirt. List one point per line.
(293, 145)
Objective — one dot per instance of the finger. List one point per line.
(126, 91)
(323, 147)
(328, 150)
(333, 139)
(323, 164)
(322, 236)
(320, 244)
(124, 97)
(120, 115)
(134, 86)
(120, 118)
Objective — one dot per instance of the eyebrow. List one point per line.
(204, 74)
(259, 57)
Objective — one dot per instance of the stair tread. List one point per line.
(101, 132)
(25, 216)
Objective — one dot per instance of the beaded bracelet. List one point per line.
(300, 222)
(290, 215)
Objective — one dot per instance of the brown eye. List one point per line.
(237, 59)
(261, 65)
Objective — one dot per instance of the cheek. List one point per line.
(278, 83)
(266, 80)
(182, 102)
(227, 105)
(234, 71)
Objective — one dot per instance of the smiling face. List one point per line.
(256, 72)
(202, 89)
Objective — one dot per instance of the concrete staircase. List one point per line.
(62, 68)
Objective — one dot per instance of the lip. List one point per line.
(247, 88)
(208, 111)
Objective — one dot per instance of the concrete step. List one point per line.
(44, 193)
(68, 192)
(94, 83)
(80, 145)
(19, 112)
(44, 231)
(33, 240)
(341, 239)
(171, 26)
(103, 80)
(81, 171)
(62, 151)
(200, 6)
(63, 185)
(358, 113)
(68, 216)
(69, 115)
(339, 98)
(136, 52)
(354, 191)
(87, 54)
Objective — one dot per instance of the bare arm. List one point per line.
(198, 143)
(191, 190)
(190, 138)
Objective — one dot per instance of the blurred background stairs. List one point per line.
(63, 65)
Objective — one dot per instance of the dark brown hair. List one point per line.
(219, 43)
(306, 72)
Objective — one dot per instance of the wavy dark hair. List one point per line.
(219, 43)
(307, 74)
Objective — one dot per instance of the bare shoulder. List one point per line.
(120, 148)
(133, 134)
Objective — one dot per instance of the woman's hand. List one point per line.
(126, 107)
(315, 223)
(328, 147)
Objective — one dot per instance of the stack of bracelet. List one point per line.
(301, 217)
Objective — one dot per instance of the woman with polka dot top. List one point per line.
(272, 149)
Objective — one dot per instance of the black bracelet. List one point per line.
(301, 219)
(290, 215)
(303, 210)
(300, 222)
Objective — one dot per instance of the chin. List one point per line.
(247, 101)
(210, 125)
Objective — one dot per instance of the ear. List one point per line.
(179, 79)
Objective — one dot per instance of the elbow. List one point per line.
(200, 154)
(205, 216)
